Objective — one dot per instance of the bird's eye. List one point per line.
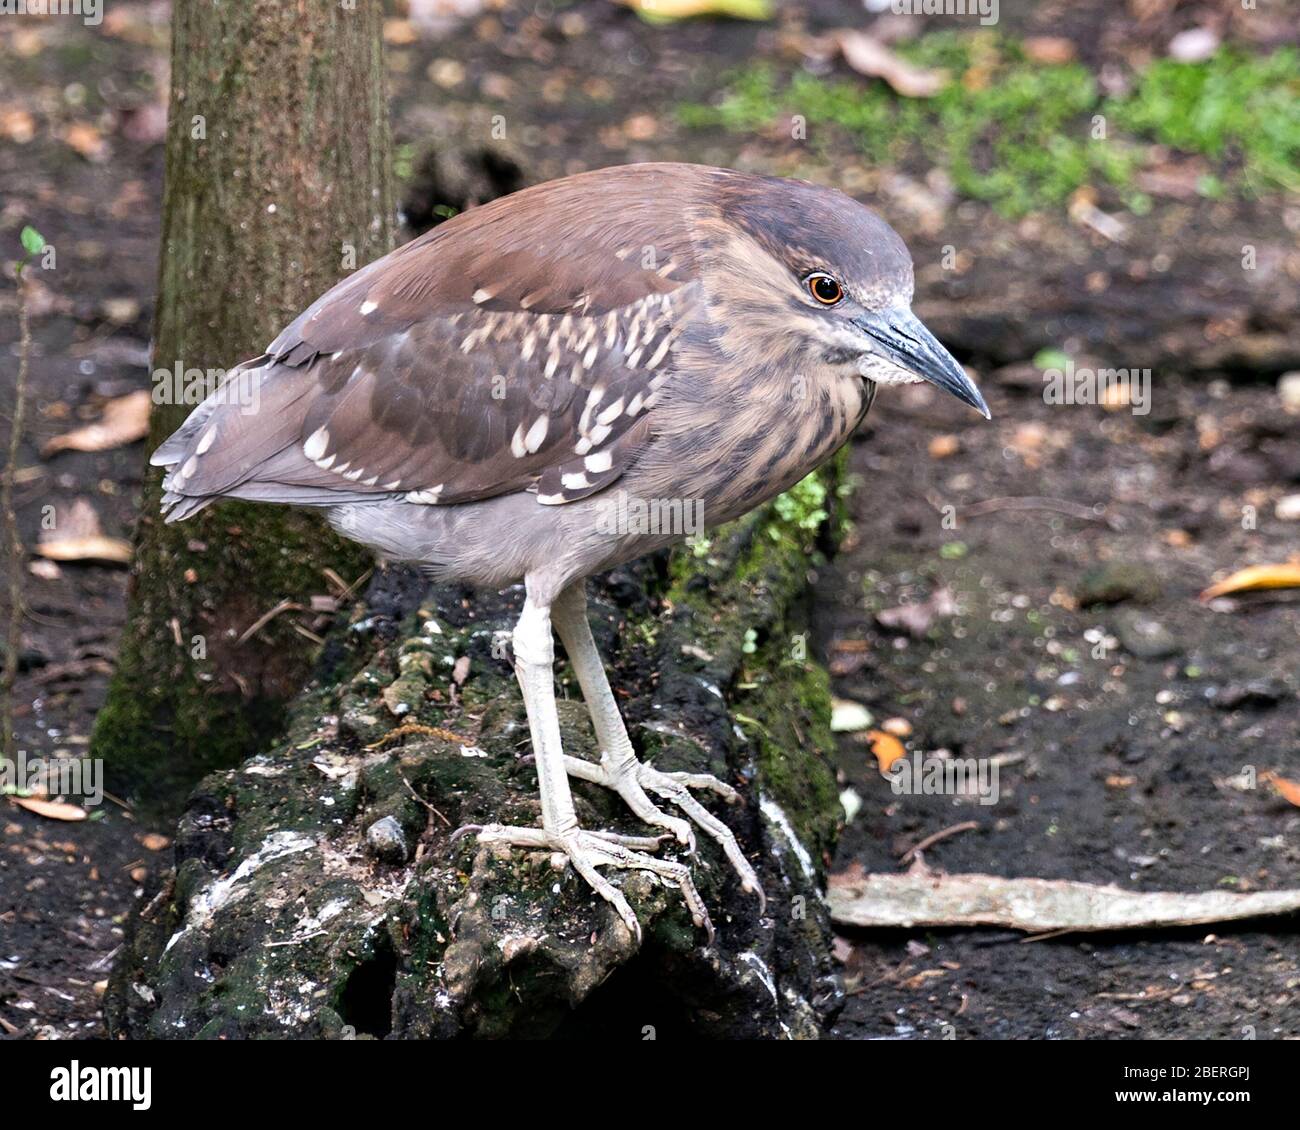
(824, 288)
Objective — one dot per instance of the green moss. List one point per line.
(1020, 135)
(1230, 102)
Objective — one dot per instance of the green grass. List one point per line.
(1020, 135)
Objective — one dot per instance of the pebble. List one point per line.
(848, 717)
(386, 841)
(1145, 637)
(1288, 508)
(1288, 390)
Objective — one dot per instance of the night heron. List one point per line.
(487, 399)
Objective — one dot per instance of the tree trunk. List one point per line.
(316, 891)
(277, 184)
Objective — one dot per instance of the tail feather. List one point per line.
(245, 441)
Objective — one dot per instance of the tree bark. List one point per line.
(277, 183)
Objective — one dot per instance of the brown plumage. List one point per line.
(484, 400)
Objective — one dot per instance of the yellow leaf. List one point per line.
(886, 747)
(52, 809)
(666, 11)
(1287, 790)
(1256, 577)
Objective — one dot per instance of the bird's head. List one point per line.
(836, 281)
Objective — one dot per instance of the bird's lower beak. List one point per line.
(900, 336)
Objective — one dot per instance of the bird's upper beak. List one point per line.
(901, 337)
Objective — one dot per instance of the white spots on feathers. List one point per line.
(528, 442)
(368, 307)
(207, 440)
(575, 480)
(536, 434)
(661, 352)
(599, 462)
(426, 497)
(317, 444)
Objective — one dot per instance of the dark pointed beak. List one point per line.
(901, 337)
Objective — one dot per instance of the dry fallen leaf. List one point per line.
(916, 619)
(154, 841)
(51, 809)
(400, 33)
(86, 140)
(886, 747)
(97, 547)
(941, 447)
(869, 56)
(1049, 49)
(1255, 577)
(1287, 790)
(77, 536)
(125, 420)
(17, 126)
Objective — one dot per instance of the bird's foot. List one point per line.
(588, 851)
(635, 780)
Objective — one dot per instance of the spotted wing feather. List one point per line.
(521, 345)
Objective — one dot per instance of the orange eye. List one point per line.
(824, 288)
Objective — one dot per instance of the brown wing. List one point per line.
(521, 343)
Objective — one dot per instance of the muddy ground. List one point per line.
(1113, 766)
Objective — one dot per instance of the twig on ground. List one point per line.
(1037, 906)
(1036, 502)
(930, 841)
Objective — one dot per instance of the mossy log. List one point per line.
(316, 892)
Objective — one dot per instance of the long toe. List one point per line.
(671, 787)
(674, 874)
(589, 851)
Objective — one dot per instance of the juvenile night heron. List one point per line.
(486, 399)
